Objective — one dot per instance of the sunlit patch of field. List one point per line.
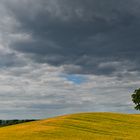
(82, 126)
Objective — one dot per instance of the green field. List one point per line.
(82, 126)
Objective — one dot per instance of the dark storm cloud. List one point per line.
(10, 60)
(79, 33)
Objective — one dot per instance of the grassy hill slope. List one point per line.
(82, 126)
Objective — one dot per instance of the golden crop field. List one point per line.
(82, 126)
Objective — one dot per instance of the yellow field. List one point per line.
(82, 126)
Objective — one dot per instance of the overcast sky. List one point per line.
(66, 56)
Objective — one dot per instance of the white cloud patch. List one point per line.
(39, 88)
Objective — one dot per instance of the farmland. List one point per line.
(82, 126)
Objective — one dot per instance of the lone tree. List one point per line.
(136, 98)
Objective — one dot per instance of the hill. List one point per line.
(82, 126)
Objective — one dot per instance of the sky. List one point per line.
(66, 56)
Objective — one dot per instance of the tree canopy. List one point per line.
(136, 98)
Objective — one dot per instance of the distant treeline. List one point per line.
(12, 122)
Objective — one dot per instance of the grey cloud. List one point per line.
(78, 33)
(29, 92)
(38, 90)
(39, 40)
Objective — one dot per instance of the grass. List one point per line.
(82, 126)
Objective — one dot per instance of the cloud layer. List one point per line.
(45, 44)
